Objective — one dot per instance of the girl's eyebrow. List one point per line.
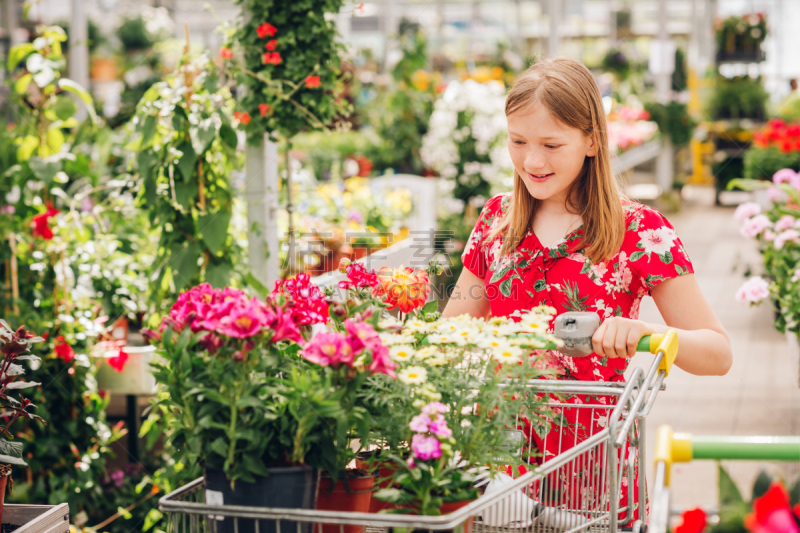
(545, 138)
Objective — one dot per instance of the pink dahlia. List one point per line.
(245, 320)
(425, 448)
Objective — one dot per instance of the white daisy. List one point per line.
(401, 352)
(413, 375)
(507, 354)
(426, 352)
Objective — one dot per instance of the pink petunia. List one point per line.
(425, 447)
(785, 175)
(328, 349)
(784, 223)
(439, 428)
(790, 235)
(246, 319)
(754, 226)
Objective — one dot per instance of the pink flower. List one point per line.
(285, 329)
(434, 408)
(245, 320)
(784, 223)
(211, 342)
(358, 276)
(327, 349)
(769, 235)
(786, 175)
(381, 361)
(439, 428)
(784, 237)
(425, 447)
(753, 290)
(747, 210)
(776, 195)
(410, 462)
(362, 334)
(420, 423)
(771, 512)
(754, 226)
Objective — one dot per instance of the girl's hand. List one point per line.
(618, 337)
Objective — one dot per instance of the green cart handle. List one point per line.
(661, 342)
(682, 447)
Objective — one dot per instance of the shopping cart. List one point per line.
(682, 447)
(526, 504)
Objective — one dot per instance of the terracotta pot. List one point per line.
(449, 507)
(3, 483)
(354, 498)
(104, 69)
(384, 481)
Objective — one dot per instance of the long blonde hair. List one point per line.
(568, 90)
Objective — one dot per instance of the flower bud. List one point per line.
(339, 310)
(239, 356)
(343, 264)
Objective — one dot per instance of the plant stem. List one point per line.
(232, 434)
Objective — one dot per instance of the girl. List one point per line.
(566, 237)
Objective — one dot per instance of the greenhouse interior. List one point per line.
(239, 238)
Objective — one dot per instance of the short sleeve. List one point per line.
(653, 249)
(474, 255)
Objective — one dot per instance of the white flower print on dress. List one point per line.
(601, 307)
(657, 241)
(475, 238)
(622, 276)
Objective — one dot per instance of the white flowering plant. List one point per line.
(777, 232)
(476, 373)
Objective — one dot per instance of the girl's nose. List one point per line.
(534, 160)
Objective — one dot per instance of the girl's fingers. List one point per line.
(633, 340)
(621, 340)
(597, 338)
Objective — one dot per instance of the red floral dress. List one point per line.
(562, 277)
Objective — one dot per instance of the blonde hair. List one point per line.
(568, 90)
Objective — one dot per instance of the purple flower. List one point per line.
(118, 478)
(356, 217)
(439, 428)
(420, 423)
(7, 210)
(425, 448)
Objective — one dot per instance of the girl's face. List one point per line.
(547, 154)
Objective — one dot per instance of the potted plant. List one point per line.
(15, 347)
(240, 406)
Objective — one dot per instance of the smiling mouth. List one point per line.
(539, 176)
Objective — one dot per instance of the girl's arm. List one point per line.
(703, 347)
(469, 296)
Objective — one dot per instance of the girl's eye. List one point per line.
(551, 146)
(518, 142)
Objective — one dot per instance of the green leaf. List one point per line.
(44, 170)
(188, 161)
(666, 258)
(761, 485)
(728, 491)
(148, 130)
(184, 265)
(185, 193)
(635, 256)
(228, 135)
(203, 134)
(78, 90)
(681, 270)
(21, 85)
(64, 107)
(540, 285)
(17, 54)
(151, 519)
(26, 147)
(497, 275)
(505, 287)
(256, 285)
(794, 493)
(12, 460)
(430, 307)
(14, 449)
(214, 228)
(218, 276)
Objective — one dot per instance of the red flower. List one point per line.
(306, 302)
(63, 350)
(244, 118)
(271, 45)
(364, 166)
(41, 227)
(272, 58)
(266, 30)
(694, 521)
(771, 512)
(357, 275)
(786, 147)
(118, 361)
(313, 81)
(226, 53)
(403, 288)
(264, 109)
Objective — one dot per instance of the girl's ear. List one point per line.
(591, 146)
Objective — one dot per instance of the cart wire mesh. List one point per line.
(580, 480)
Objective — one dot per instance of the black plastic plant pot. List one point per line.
(289, 487)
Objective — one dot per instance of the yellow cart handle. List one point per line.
(658, 342)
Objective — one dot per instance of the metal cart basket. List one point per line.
(589, 485)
